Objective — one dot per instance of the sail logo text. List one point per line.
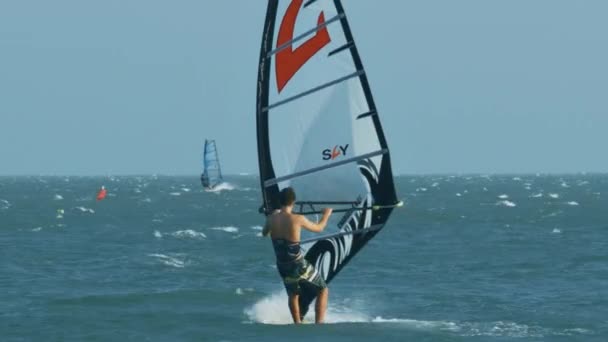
(334, 153)
(288, 60)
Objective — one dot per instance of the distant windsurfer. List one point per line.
(284, 228)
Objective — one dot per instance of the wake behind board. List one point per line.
(318, 130)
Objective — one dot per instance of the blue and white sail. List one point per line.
(319, 131)
(212, 173)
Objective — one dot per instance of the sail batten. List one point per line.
(304, 35)
(320, 168)
(315, 89)
(343, 233)
(319, 131)
(348, 45)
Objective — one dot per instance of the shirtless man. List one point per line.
(284, 229)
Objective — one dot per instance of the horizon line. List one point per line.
(245, 174)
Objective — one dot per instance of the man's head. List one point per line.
(287, 197)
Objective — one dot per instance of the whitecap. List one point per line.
(421, 189)
(540, 194)
(556, 231)
(458, 194)
(4, 204)
(574, 203)
(189, 233)
(506, 203)
(503, 196)
(554, 195)
(175, 193)
(84, 210)
(58, 197)
(168, 260)
(228, 229)
(158, 234)
(257, 227)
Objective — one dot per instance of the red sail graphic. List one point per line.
(289, 61)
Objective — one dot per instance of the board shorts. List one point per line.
(300, 275)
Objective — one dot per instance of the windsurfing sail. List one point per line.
(101, 194)
(318, 130)
(212, 174)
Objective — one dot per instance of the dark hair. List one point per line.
(287, 197)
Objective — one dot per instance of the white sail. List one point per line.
(319, 130)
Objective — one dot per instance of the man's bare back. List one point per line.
(282, 224)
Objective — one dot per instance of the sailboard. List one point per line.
(318, 130)
(212, 173)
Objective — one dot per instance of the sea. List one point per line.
(467, 258)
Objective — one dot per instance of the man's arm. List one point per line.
(316, 227)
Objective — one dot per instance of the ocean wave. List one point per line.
(573, 203)
(540, 194)
(4, 204)
(503, 196)
(84, 210)
(58, 197)
(506, 203)
(554, 195)
(175, 193)
(168, 260)
(228, 229)
(189, 233)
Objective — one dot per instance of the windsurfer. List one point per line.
(284, 228)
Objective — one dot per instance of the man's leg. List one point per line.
(321, 305)
(294, 307)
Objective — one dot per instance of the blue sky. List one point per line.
(134, 87)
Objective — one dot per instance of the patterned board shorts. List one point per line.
(299, 275)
